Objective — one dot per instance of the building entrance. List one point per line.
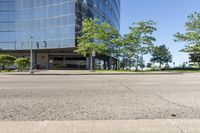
(67, 63)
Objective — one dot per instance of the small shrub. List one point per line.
(22, 64)
(6, 60)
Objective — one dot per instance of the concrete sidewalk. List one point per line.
(129, 126)
(87, 72)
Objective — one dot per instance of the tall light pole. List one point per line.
(31, 55)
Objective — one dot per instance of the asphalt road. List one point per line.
(99, 97)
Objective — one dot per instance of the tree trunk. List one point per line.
(3, 67)
(160, 66)
(137, 63)
(198, 65)
(122, 64)
(142, 62)
(136, 67)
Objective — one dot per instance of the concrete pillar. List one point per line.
(88, 63)
(34, 58)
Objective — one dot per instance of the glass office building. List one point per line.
(51, 26)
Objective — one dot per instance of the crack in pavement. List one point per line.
(177, 104)
(177, 126)
(161, 98)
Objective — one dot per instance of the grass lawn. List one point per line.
(3, 71)
(146, 71)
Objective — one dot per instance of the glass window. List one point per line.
(67, 8)
(51, 11)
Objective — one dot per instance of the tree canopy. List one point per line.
(96, 36)
(139, 41)
(192, 34)
(161, 55)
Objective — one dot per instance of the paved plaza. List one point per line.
(99, 97)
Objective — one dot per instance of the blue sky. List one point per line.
(170, 16)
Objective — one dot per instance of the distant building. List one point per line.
(54, 25)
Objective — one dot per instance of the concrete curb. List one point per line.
(123, 126)
(135, 73)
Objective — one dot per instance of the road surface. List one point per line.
(99, 97)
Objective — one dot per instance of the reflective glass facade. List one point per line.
(104, 10)
(51, 23)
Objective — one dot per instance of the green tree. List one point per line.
(126, 63)
(6, 60)
(149, 65)
(161, 55)
(124, 56)
(22, 63)
(96, 38)
(139, 41)
(191, 36)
